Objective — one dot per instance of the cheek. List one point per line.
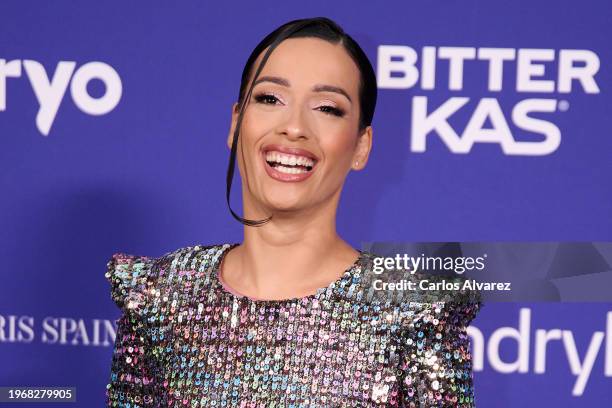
(254, 126)
(338, 147)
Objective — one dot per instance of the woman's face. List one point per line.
(299, 136)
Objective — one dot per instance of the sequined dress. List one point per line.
(185, 340)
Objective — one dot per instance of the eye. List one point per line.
(269, 99)
(266, 99)
(332, 110)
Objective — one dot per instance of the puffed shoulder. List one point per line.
(132, 281)
(459, 300)
(434, 343)
(463, 308)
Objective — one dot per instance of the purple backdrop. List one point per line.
(126, 152)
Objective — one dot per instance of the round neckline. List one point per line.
(225, 248)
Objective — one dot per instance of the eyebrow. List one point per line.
(316, 88)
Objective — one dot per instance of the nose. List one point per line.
(295, 124)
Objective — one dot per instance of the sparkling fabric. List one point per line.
(184, 340)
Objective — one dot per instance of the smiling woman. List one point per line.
(288, 317)
(313, 98)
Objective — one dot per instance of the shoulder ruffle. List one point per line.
(434, 343)
(460, 303)
(132, 281)
(138, 282)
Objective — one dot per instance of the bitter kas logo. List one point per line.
(50, 92)
(488, 123)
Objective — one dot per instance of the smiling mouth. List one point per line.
(288, 163)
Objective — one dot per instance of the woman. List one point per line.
(287, 318)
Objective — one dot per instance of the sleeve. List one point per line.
(132, 379)
(436, 363)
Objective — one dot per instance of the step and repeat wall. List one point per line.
(492, 124)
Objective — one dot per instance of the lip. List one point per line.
(285, 177)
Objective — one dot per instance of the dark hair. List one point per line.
(319, 27)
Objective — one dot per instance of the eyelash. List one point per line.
(261, 97)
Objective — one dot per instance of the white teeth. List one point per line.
(289, 170)
(288, 159)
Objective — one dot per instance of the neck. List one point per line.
(274, 265)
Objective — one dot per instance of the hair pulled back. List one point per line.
(317, 27)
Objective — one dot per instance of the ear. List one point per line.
(230, 136)
(362, 152)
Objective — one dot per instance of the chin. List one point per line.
(285, 204)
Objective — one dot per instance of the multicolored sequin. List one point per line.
(183, 340)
